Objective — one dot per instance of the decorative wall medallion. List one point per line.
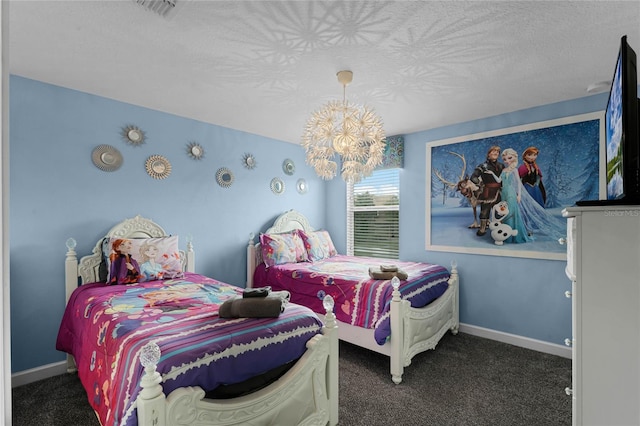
(133, 135)
(249, 161)
(224, 177)
(301, 186)
(106, 158)
(289, 167)
(277, 185)
(158, 167)
(195, 150)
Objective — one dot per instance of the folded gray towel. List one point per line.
(256, 292)
(252, 307)
(377, 274)
(388, 268)
(283, 295)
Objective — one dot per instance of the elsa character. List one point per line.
(150, 269)
(536, 219)
(512, 193)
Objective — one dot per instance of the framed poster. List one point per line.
(507, 206)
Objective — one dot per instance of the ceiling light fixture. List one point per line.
(352, 132)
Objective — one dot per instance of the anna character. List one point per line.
(124, 268)
(531, 176)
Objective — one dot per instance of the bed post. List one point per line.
(454, 281)
(70, 269)
(397, 333)
(251, 261)
(71, 283)
(330, 330)
(191, 256)
(151, 402)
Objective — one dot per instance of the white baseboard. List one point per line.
(39, 373)
(513, 339)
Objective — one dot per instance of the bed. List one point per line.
(157, 352)
(374, 314)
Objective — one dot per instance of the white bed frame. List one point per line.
(413, 330)
(307, 394)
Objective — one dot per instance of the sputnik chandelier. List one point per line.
(352, 132)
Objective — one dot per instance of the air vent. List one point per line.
(161, 7)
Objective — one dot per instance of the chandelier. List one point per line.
(350, 132)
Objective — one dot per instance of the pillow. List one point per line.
(133, 260)
(318, 244)
(282, 248)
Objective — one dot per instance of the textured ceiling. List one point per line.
(264, 66)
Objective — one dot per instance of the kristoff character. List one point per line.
(487, 174)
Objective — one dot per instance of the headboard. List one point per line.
(287, 221)
(88, 269)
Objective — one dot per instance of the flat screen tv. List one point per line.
(622, 133)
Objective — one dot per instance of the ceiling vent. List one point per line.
(161, 7)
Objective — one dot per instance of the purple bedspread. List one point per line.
(360, 300)
(104, 328)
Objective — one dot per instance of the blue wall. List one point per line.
(511, 295)
(56, 193)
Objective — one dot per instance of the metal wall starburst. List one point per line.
(249, 161)
(133, 135)
(195, 150)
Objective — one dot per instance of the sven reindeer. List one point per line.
(466, 187)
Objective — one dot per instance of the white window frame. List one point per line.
(392, 182)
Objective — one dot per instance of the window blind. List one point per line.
(373, 215)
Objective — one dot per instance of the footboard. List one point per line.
(424, 327)
(306, 395)
(415, 330)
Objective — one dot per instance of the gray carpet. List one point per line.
(467, 380)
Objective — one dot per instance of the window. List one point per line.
(373, 215)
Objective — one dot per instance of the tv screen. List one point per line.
(623, 138)
(622, 133)
(613, 136)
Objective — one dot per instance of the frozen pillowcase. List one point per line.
(318, 244)
(282, 248)
(133, 260)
